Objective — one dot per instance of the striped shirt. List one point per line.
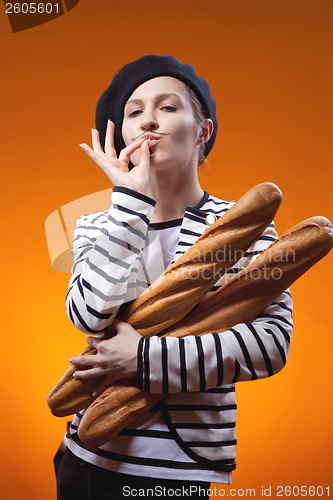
(193, 429)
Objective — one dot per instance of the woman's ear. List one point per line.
(206, 130)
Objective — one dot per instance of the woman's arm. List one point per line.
(107, 246)
(245, 352)
(107, 250)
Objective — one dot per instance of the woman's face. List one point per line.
(161, 109)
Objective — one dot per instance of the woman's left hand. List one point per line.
(116, 357)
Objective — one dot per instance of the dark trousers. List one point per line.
(79, 480)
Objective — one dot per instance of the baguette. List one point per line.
(116, 408)
(171, 297)
(239, 300)
(70, 395)
(183, 284)
(253, 289)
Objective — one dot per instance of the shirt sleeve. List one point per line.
(248, 351)
(107, 250)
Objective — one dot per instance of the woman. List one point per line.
(163, 126)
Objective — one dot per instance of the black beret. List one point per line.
(112, 102)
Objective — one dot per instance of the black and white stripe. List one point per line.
(197, 374)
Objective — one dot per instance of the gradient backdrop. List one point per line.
(270, 68)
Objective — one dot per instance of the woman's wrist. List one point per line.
(135, 194)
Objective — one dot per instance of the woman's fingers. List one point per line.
(117, 169)
(144, 155)
(90, 152)
(101, 161)
(86, 366)
(93, 342)
(116, 355)
(109, 140)
(97, 371)
(125, 154)
(95, 142)
(84, 361)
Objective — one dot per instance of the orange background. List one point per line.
(269, 64)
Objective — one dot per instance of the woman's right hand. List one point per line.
(117, 169)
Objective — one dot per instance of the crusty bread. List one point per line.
(239, 300)
(254, 288)
(171, 297)
(70, 395)
(183, 284)
(127, 403)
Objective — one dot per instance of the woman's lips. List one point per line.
(152, 142)
(153, 139)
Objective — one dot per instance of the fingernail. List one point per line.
(74, 374)
(92, 130)
(70, 360)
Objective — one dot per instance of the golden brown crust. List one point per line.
(127, 403)
(69, 394)
(254, 288)
(188, 279)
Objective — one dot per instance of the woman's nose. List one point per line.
(149, 122)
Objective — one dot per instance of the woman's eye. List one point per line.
(169, 108)
(134, 113)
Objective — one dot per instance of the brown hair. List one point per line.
(200, 116)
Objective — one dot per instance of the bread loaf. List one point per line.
(126, 402)
(183, 284)
(191, 276)
(239, 300)
(254, 288)
(70, 395)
